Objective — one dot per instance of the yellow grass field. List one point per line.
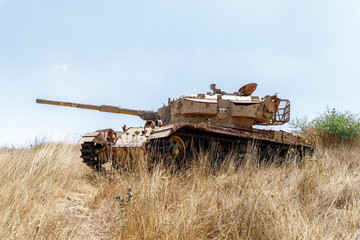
(46, 192)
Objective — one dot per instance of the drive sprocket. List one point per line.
(89, 154)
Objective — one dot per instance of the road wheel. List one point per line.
(178, 149)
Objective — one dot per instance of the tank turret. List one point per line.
(238, 109)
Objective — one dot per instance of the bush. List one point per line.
(341, 126)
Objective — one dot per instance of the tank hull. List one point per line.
(175, 139)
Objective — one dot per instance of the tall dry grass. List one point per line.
(47, 193)
(43, 193)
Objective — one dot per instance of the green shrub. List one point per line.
(343, 126)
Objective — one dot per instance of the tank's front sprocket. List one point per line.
(89, 155)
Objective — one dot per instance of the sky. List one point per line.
(137, 54)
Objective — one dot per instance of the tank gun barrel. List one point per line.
(144, 114)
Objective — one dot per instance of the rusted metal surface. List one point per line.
(282, 115)
(95, 137)
(133, 137)
(248, 89)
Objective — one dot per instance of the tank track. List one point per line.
(266, 148)
(232, 140)
(90, 158)
(159, 148)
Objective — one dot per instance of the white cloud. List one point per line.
(60, 67)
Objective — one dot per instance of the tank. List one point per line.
(215, 118)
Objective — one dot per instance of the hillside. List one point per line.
(48, 193)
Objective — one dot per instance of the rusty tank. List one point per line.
(206, 119)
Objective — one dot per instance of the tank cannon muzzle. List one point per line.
(144, 114)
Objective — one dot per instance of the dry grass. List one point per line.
(47, 193)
